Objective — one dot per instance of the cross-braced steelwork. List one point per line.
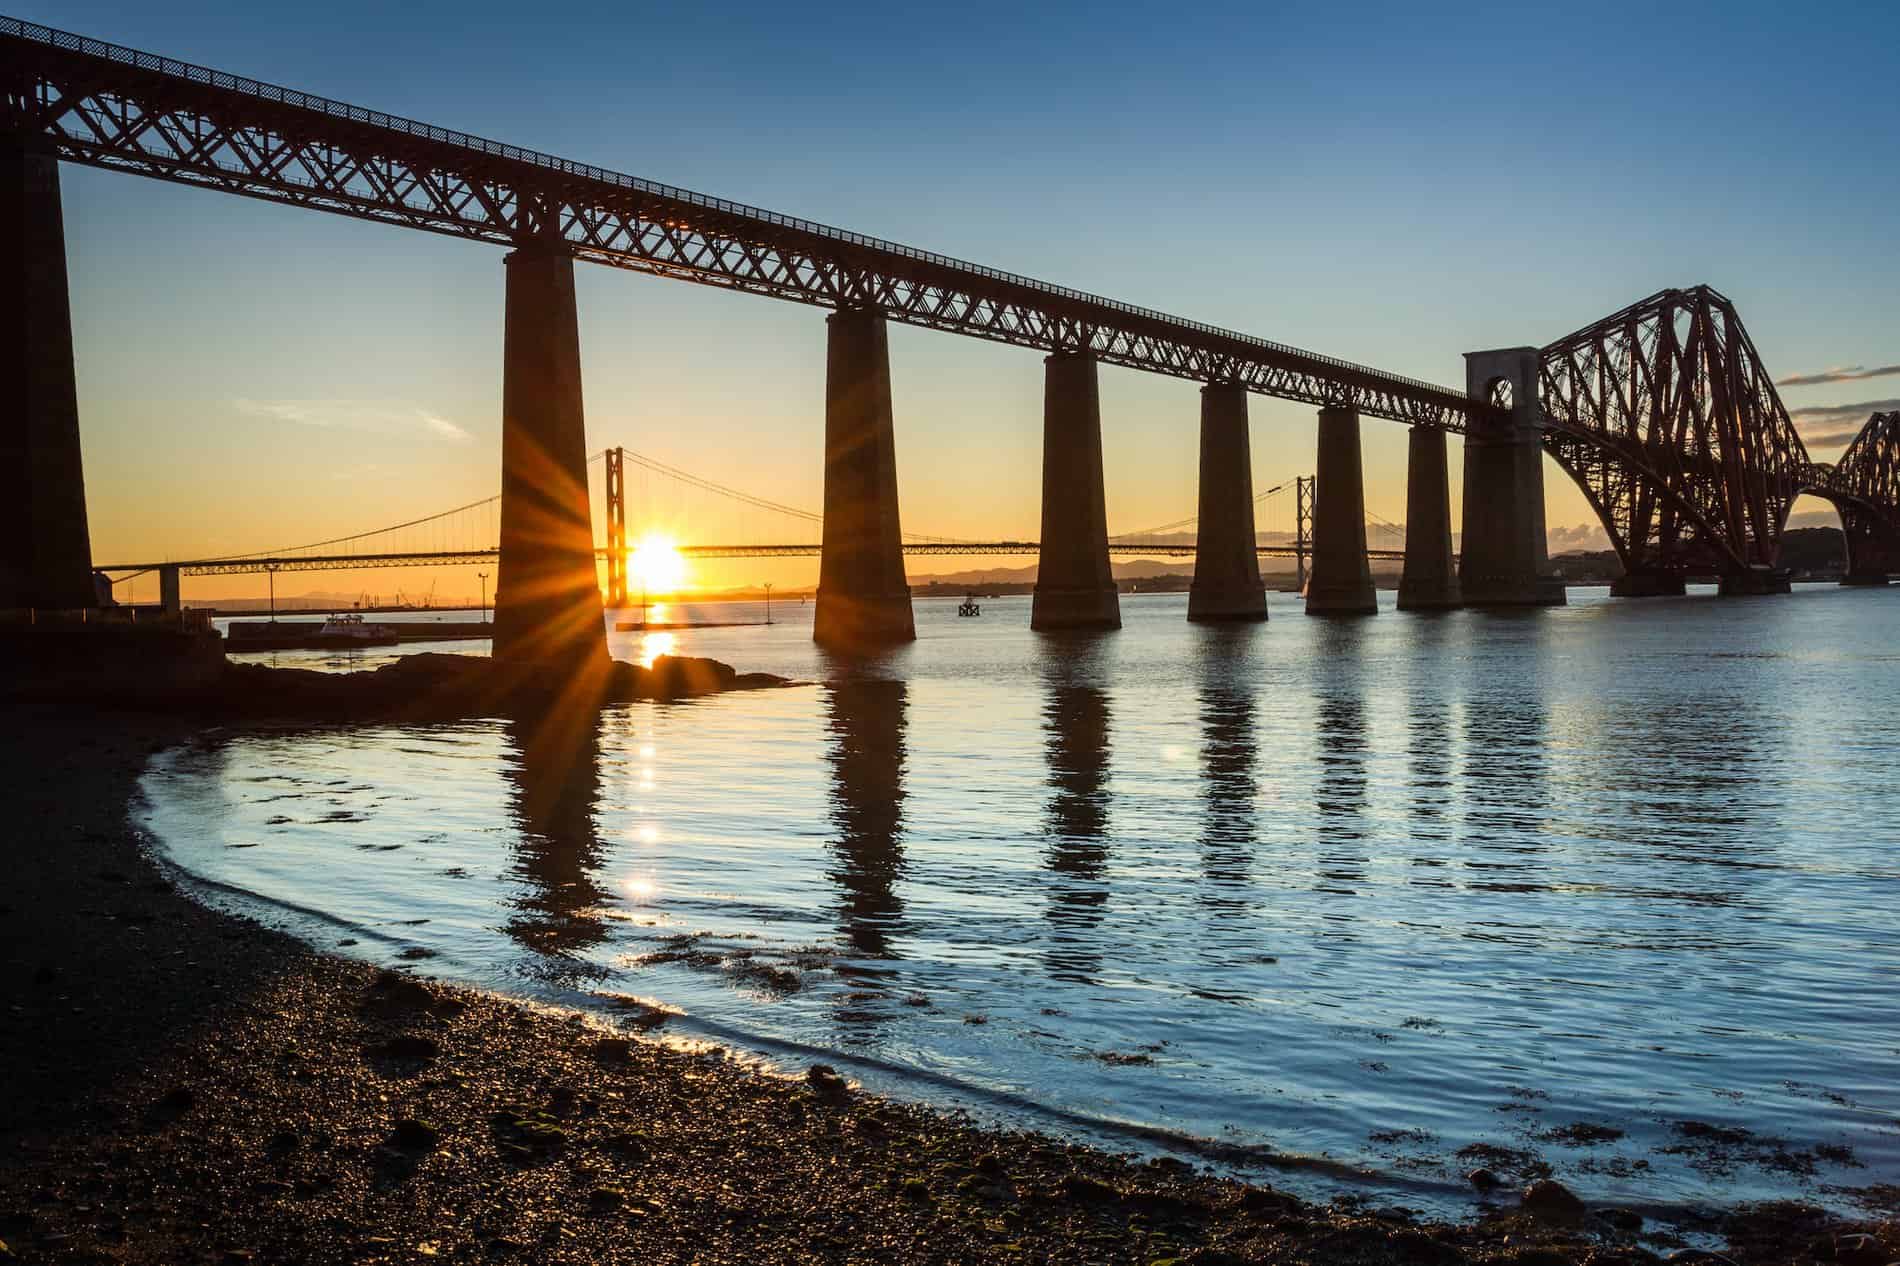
(1665, 416)
(108, 106)
(1864, 486)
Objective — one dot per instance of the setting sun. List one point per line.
(657, 565)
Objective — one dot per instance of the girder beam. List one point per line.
(1664, 414)
(113, 107)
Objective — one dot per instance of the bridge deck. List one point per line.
(108, 106)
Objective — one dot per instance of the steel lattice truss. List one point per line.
(1665, 416)
(1865, 487)
(114, 107)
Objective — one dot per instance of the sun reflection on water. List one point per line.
(654, 645)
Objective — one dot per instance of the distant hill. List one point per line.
(1821, 550)
(1812, 553)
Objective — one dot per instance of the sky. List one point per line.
(1391, 184)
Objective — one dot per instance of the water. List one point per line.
(1328, 901)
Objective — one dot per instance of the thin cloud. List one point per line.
(1839, 373)
(378, 417)
(1584, 536)
(445, 428)
(1831, 439)
(1841, 414)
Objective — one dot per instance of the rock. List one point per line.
(1263, 1202)
(411, 1135)
(757, 681)
(1622, 1219)
(605, 1199)
(393, 988)
(174, 1105)
(824, 1079)
(1552, 1201)
(1087, 1190)
(1860, 1249)
(988, 1163)
(1212, 1255)
(1484, 1179)
(613, 1050)
(525, 1136)
(640, 1016)
(408, 1046)
(628, 1145)
(396, 995)
(1541, 1255)
(680, 676)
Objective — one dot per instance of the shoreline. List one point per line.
(177, 1083)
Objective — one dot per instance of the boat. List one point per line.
(350, 629)
(345, 632)
(969, 606)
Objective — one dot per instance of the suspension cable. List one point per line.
(1192, 518)
(357, 536)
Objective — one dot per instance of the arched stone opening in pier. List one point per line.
(1828, 539)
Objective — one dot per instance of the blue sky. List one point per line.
(1387, 183)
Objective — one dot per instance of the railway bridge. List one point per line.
(1662, 413)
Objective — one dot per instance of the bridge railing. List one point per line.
(53, 618)
(86, 46)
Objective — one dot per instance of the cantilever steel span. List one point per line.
(108, 106)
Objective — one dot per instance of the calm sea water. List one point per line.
(1382, 900)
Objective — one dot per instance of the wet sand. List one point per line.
(179, 1085)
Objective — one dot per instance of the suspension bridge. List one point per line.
(675, 501)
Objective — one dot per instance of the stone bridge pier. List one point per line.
(1075, 589)
(1341, 579)
(1226, 561)
(45, 548)
(1873, 553)
(548, 616)
(1505, 562)
(863, 594)
(1430, 580)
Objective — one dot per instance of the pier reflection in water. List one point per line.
(552, 767)
(1339, 750)
(1430, 754)
(1506, 762)
(1467, 878)
(1075, 822)
(865, 726)
(1229, 755)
